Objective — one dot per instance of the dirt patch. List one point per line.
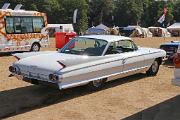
(133, 98)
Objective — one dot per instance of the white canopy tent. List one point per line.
(136, 31)
(147, 33)
(175, 26)
(59, 28)
(159, 32)
(62, 27)
(174, 29)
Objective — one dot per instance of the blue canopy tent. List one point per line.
(98, 30)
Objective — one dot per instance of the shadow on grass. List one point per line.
(168, 64)
(25, 99)
(6, 54)
(167, 110)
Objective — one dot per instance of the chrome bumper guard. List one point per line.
(37, 82)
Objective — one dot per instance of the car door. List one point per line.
(128, 59)
(133, 59)
(116, 63)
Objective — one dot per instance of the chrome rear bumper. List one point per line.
(37, 82)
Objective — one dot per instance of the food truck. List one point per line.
(22, 30)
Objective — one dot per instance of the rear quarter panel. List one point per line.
(150, 54)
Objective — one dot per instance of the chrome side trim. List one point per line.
(106, 76)
(109, 62)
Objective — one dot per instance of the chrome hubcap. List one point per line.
(155, 66)
(35, 47)
(97, 83)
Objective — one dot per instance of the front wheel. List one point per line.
(35, 47)
(153, 70)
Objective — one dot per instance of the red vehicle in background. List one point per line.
(63, 37)
(176, 60)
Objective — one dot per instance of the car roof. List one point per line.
(108, 38)
(172, 43)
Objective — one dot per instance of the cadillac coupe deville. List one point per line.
(92, 60)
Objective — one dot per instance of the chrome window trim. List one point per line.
(107, 62)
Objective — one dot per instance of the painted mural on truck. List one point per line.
(21, 29)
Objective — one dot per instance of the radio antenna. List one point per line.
(18, 7)
(5, 6)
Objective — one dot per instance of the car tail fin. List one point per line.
(63, 66)
(17, 57)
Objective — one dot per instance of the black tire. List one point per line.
(35, 47)
(97, 84)
(153, 70)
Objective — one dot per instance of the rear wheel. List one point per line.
(35, 47)
(153, 70)
(97, 84)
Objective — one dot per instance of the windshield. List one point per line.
(85, 46)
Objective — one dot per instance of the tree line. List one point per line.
(109, 12)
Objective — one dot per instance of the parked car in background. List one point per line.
(170, 48)
(22, 30)
(92, 60)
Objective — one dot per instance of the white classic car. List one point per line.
(92, 60)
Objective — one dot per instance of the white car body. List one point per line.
(75, 70)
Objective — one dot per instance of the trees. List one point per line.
(143, 12)
(58, 11)
(101, 11)
(170, 13)
(128, 12)
(177, 11)
(53, 9)
(82, 19)
(93, 12)
(154, 11)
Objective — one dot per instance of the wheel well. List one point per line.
(159, 60)
(37, 43)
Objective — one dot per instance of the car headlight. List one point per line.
(14, 69)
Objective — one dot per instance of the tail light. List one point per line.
(53, 77)
(12, 69)
(15, 70)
